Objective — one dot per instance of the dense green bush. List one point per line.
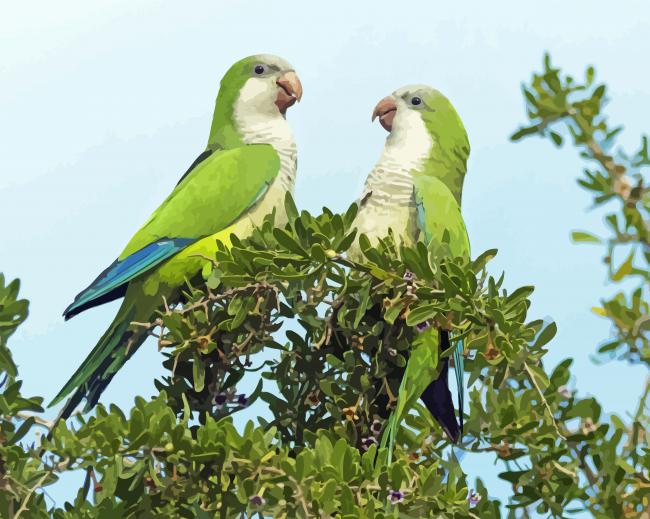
(341, 333)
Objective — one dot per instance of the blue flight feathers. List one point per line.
(123, 271)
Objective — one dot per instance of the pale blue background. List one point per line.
(104, 105)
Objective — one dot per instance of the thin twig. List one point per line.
(564, 470)
(541, 395)
(23, 505)
(48, 424)
(239, 348)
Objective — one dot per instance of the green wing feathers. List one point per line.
(442, 224)
(439, 218)
(211, 197)
(442, 228)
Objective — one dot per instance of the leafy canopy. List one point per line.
(340, 334)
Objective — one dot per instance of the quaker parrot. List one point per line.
(248, 166)
(415, 189)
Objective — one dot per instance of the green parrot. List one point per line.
(415, 189)
(244, 173)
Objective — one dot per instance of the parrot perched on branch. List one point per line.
(244, 174)
(415, 189)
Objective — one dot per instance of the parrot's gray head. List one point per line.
(272, 85)
(253, 98)
(405, 108)
(424, 129)
(401, 114)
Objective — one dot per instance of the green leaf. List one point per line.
(393, 311)
(21, 431)
(584, 237)
(198, 373)
(521, 293)
(513, 476)
(420, 314)
(351, 214)
(364, 301)
(479, 263)
(345, 242)
(288, 242)
(524, 131)
(290, 207)
(625, 268)
(546, 335)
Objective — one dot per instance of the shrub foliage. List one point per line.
(327, 340)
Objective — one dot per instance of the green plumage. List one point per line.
(211, 197)
(443, 228)
(439, 216)
(450, 149)
(416, 190)
(212, 200)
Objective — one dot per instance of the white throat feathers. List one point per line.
(259, 121)
(407, 147)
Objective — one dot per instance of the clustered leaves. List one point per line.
(358, 322)
(557, 104)
(21, 473)
(608, 466)
(335, 383)
(328, 339)
(216, 470)
(318, 455)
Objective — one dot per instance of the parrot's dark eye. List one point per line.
(416, 101)
(259, 69)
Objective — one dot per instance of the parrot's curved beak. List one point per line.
(289, 91)
(385, 110)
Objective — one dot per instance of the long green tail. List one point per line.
(388, 436)
(436, 396)
(115, 347)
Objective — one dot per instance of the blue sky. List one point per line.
(103, 106)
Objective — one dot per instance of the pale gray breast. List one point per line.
(389, 204)
(392, 186)
(288, 162)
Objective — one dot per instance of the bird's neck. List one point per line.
(448, 163)
(234, 126)
(405, 153)
(272, 129)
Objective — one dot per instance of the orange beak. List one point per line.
(385, 110)
(289, 91)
